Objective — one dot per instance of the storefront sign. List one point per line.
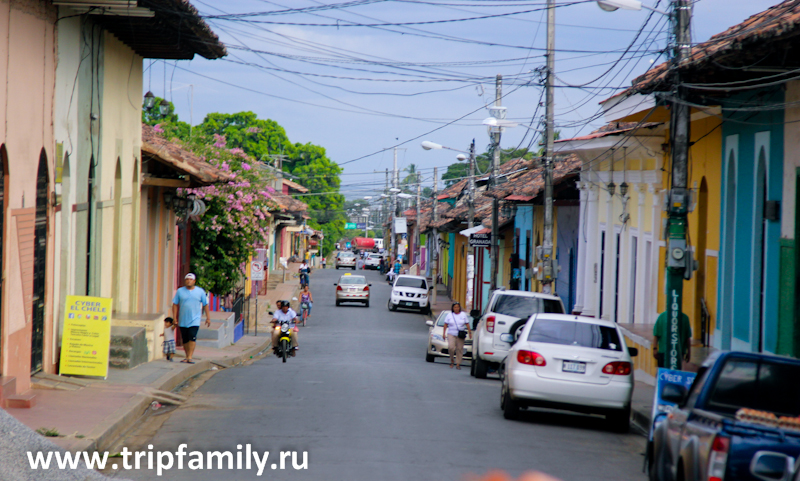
(662, 408)
(87, 336)
(480, 240)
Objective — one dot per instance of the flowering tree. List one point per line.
(235, 219)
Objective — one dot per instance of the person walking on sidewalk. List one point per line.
(188, 306)
(456, 329)
(324, 261)
(169, 338)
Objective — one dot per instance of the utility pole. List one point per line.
(498, 96)
(395, 182)
(549, 269)
(680, 262)
(470, 224)
(418, 237)
(435, 243)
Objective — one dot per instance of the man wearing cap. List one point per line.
(188, 306)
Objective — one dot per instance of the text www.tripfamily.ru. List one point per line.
(165, 460)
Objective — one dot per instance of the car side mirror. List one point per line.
(673, 393)
(772, 466)
(429, 322)
(334, 283)
(633, 352)
(270, 313)
(369, 285)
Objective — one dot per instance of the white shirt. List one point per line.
(169, 334)
(456, 322)
(289, 315)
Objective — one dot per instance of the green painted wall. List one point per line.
(787, 305)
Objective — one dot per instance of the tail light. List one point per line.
(490, 323)
(718, 459)
(620, 368)
(366, 288)
(339, 288)
(531, 358)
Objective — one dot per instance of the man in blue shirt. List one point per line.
(188, 306)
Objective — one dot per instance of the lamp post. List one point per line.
(427, 145)
(680, 262)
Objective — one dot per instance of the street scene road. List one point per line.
(360, 399)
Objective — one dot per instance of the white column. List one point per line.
(582, 246)
(651, 307)
(591, 276)
(640, 301)
(609, 261)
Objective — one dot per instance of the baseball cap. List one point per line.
(190, 276)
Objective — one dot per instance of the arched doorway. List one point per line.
(3, 205)
(39, 265)
(759, 251)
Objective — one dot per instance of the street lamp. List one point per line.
(612, 5)
(149, 100)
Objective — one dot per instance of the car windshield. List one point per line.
(573, 333)
(755, 384)
(357, 280)
(442, 317)
(525, 306)
(411, 282)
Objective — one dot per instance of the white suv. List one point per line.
(410, 292)
(501, 324)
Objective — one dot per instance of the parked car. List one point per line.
(569, 362)
(346, 259)
(702, 439)
(437, 345)
(410, 292)
(373, 261)
(507, 312)
(352, 288)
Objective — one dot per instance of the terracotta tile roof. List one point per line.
(733, 47)
(180, 159)
(531, 182)
(286, 203)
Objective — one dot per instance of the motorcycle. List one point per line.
(284, 347)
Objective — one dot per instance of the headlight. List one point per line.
(285, 328)
(395, 293)
(437, 337)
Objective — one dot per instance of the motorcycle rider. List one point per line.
(285, 314)
(304, 270)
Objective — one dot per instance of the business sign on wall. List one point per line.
(480, 240)
(87, 336)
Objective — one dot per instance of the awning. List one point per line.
(469, 232)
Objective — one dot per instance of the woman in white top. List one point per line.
(456, 329)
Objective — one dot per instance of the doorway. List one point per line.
(3, 205)
(632, 290)
(759, 250)
(39, 266)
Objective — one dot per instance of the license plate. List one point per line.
(408, 303)
(576, 367)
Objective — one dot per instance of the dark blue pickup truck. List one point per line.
(701, 439)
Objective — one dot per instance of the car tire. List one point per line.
(391, 306)
(620, 421)
(472, 362)
(338, 304)
(429, 357)
(510, 407)
(481, 367)
(658, 467)
(366, 304)
(516, 329)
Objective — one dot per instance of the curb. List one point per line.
(641, 420)
(112, 427)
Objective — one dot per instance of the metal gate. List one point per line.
(39, 267)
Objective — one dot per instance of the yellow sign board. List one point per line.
(87, 336)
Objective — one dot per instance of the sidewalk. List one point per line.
(97, 412)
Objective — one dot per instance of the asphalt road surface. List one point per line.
(363, 404)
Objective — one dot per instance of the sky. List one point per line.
(359, 77)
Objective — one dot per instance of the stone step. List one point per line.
(21, 401)
(8, 387)
(128, 347)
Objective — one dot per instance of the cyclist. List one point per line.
(306, 301)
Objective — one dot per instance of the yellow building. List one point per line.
(621, 257)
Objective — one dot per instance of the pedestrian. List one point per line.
(324, 261)
(188, 306)
(306, 301)
(168, 346)
(661, 333)
(455, 330)
(382, 266)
